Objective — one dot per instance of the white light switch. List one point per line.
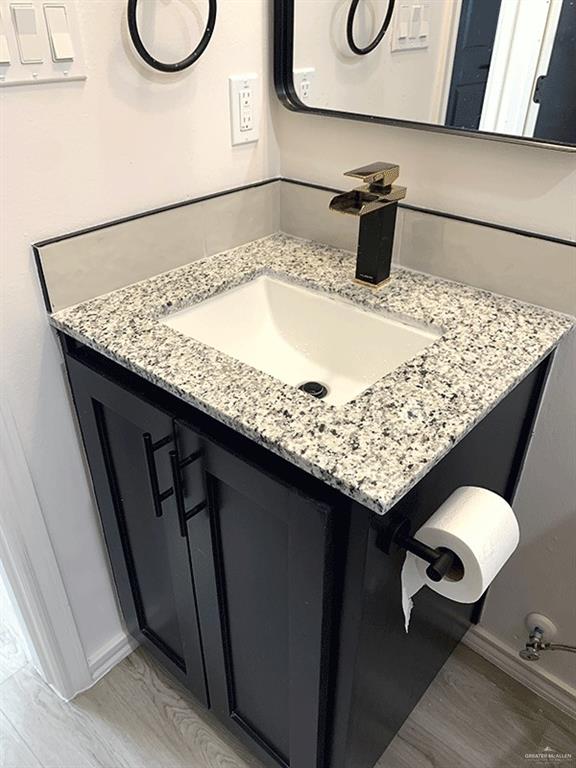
(4, 49)
(26, 28)
(59, 33)
(411, 26)
(415, 21)
(424, 24)
(244, 100)
(403, 21)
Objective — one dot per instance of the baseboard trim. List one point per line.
(530, 674)
(110, 654)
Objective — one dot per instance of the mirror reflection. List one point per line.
(501, 66)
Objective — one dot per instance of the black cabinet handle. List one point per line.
(150, 448)
(177, 466)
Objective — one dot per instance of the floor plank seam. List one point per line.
(15, 727)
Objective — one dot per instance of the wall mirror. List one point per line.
(501, 69)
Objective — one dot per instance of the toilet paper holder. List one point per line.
(397, 534)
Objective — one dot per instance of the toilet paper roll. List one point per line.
(481, 529)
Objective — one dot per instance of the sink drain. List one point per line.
(314, 388)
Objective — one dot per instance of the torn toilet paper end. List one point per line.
(407, 604)
(411, 583)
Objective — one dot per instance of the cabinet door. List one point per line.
(263, 592)
(128, 442)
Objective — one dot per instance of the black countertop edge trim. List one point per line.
(42, 279)
(152, 211)
(445, 215)
(311, 185)
(491, 225)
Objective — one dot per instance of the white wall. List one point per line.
(522, 187)
(406, 85)
(541, 576)
(80, 153)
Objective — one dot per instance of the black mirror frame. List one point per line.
(284, 84)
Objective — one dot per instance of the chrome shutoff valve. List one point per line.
(536, 644)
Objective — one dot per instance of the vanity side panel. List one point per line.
(393, 669)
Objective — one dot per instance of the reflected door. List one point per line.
(556, 91)
(476, 33)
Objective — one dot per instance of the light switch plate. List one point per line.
(411, 28)
(58, 60)
(244, 108)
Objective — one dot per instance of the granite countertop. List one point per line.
(375, 448)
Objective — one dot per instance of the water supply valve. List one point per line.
(540, 627)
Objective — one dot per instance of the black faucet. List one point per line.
(376, 203)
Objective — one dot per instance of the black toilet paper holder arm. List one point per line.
(397, 534)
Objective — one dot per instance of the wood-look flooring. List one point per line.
(13, 655)
(473, 716)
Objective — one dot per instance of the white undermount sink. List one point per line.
(299, 335)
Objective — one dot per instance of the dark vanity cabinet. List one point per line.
(220, 567)
(264, 591)
(150, 558)
(259, 553)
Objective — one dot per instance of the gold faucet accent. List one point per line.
(375, 202)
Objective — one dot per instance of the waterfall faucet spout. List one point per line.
(375, 203)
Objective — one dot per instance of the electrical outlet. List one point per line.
(303, 82)
(244, 112)
(246, 98)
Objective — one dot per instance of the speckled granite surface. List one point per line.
(375, 448)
